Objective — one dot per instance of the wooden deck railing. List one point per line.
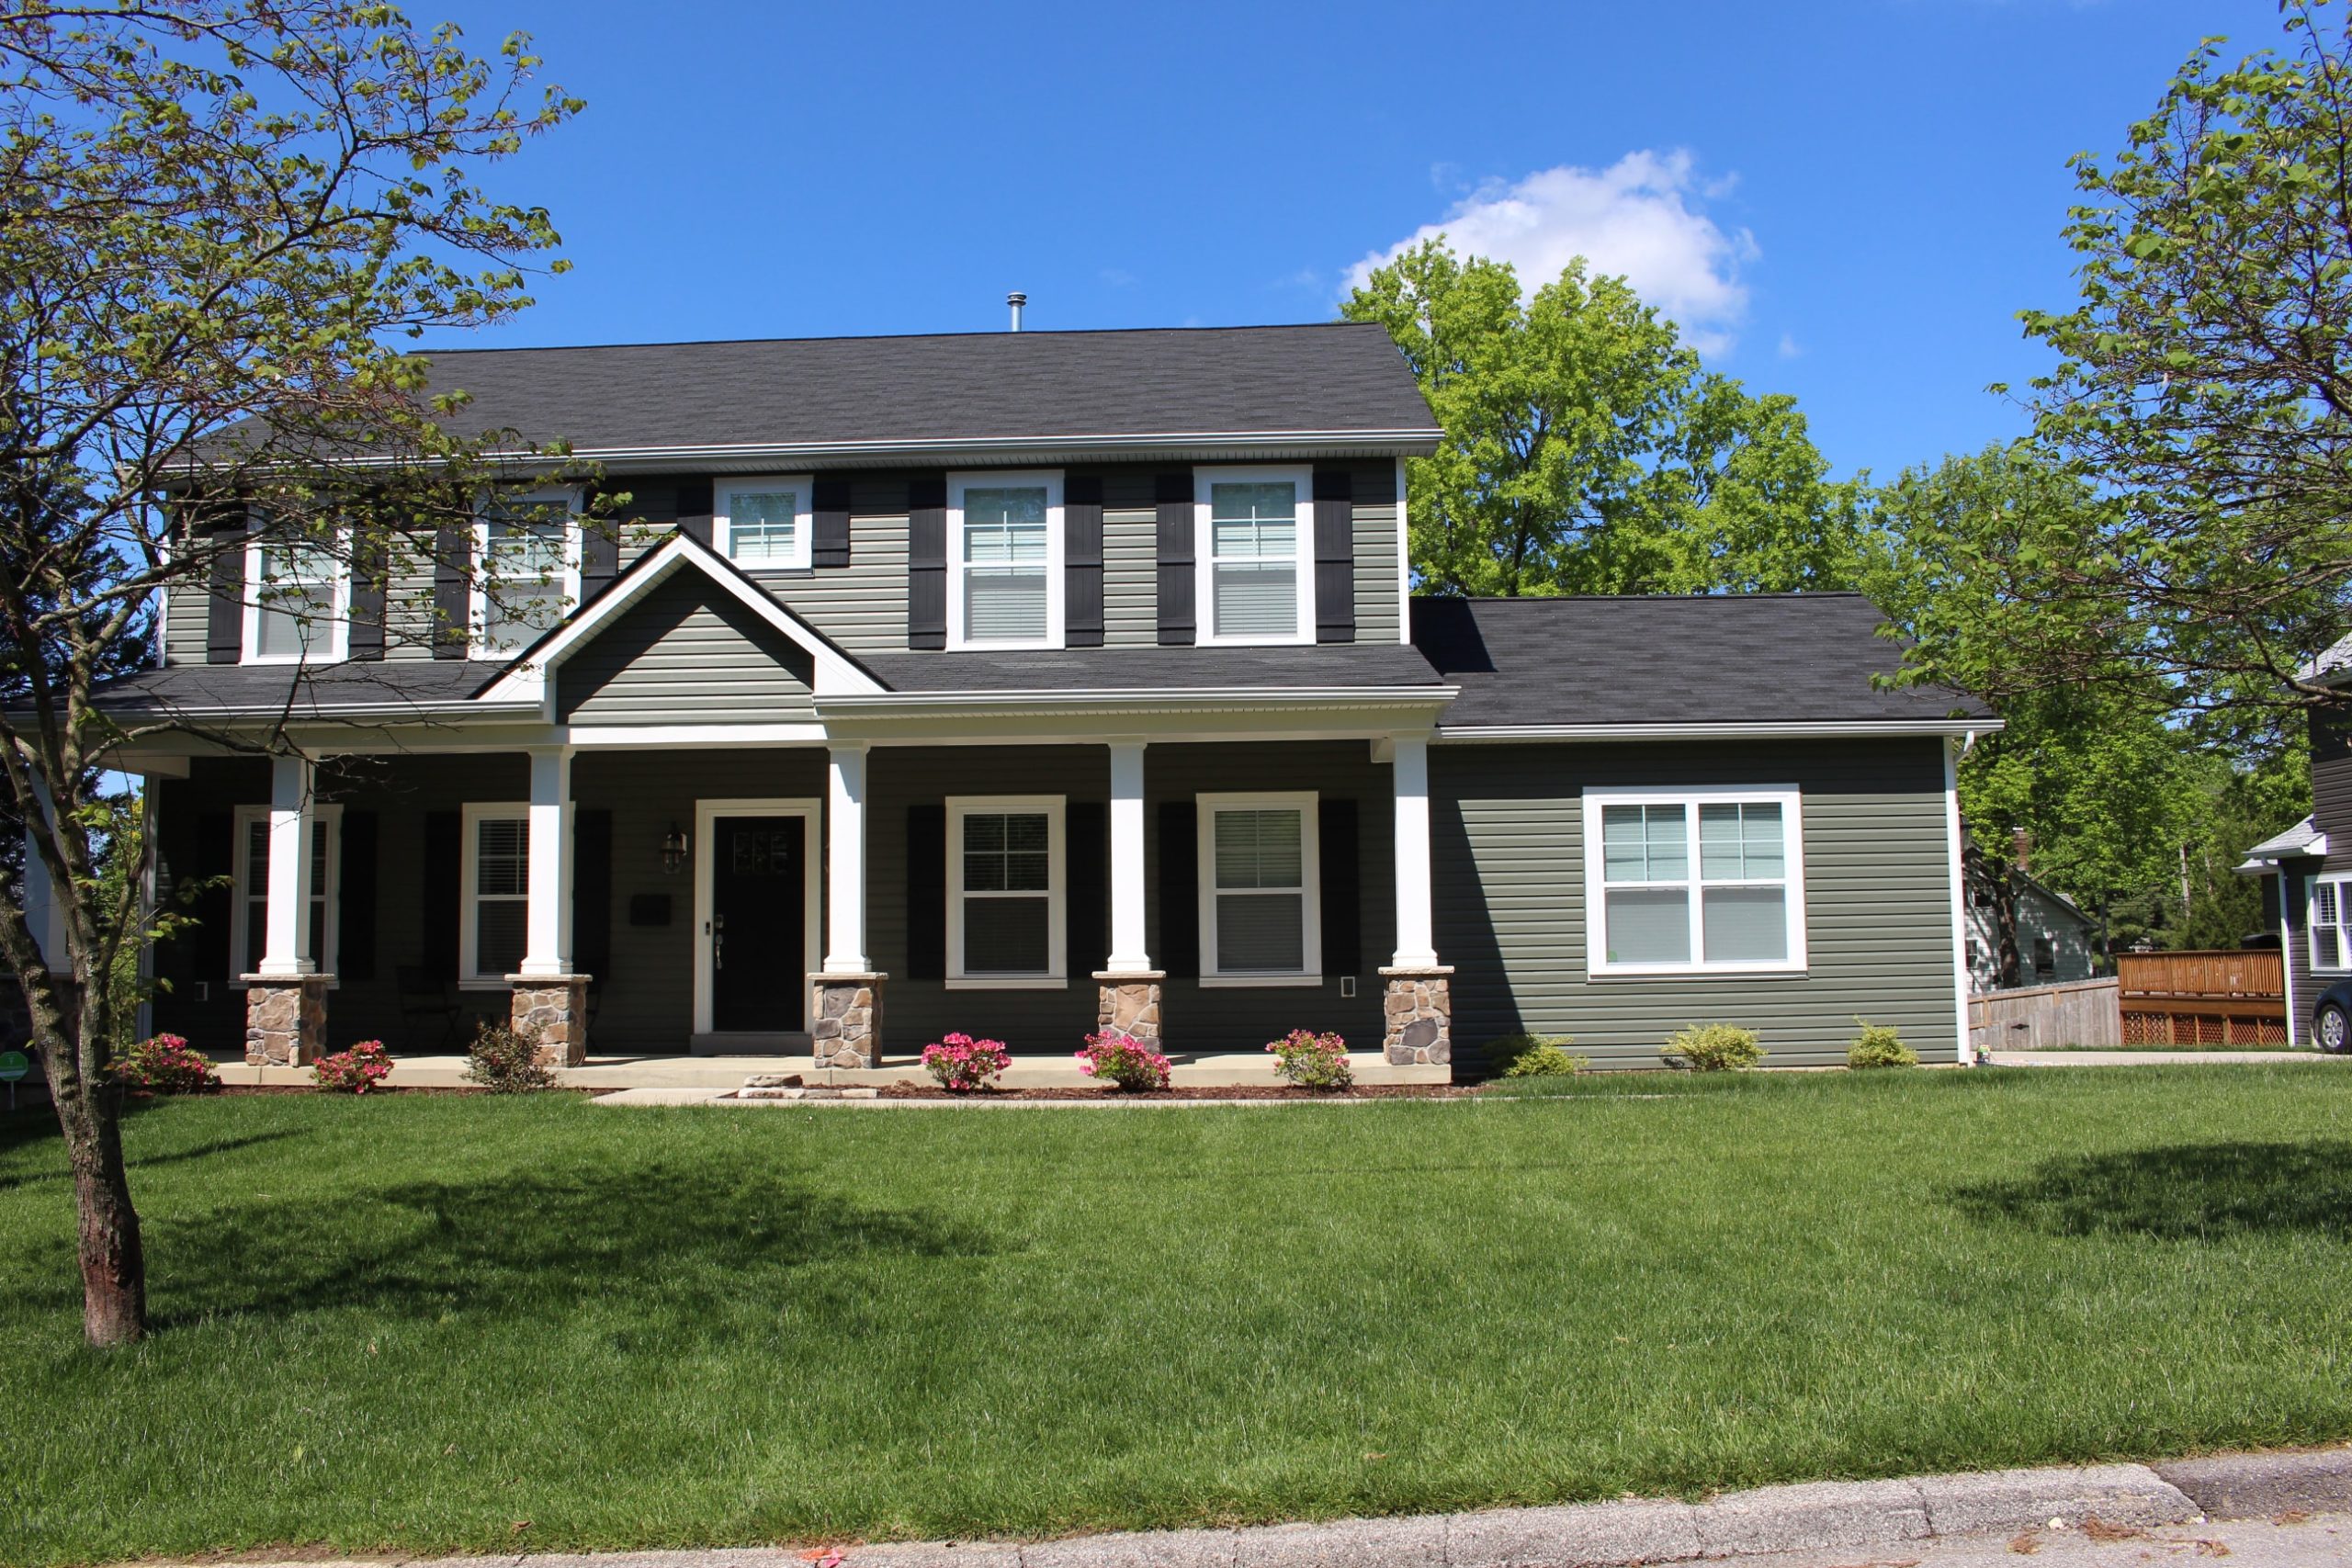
(2213, 973)
(2221, 997)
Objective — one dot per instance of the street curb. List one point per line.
(1823, 1515)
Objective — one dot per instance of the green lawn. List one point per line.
(430, 1324)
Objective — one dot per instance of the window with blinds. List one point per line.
(498, 891)
(2331, 946)
(1258, 868)
(1005, 890)
(525, 579)
(1005, 559)
(296, 586)
(1695, 882)
(1254, 551)
(764, 524)
(250, 921)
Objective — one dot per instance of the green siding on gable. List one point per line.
(1508, 827)
(686, 653)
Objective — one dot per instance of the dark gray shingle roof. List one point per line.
(1330, 377)
(1722, 659)
(1368, 665)
(200, 691)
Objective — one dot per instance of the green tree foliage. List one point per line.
(1587, 451)
(217, 217)
(2204, 383)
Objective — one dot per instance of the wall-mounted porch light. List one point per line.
(674, 849)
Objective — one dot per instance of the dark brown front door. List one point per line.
(758, 924)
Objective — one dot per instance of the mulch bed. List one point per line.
(1186, 1092)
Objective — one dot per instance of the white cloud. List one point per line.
(1635, 217)
(1790, 348)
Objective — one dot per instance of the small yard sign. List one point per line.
(13, 1067)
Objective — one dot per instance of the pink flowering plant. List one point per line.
(1313, 1061)
(355, 1071)
(1123, 1062)
(964, 1065)
(167, 1064)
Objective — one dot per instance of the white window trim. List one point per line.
(2342, 883)
(1057, 975)
(476, 812)
(1205, 562)
(1596, 921)
(722, 525)
(1051, 478)
(478, 598)
(242, 894)
(338, 624)
(1306, 802)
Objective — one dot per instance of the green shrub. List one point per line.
(1714, 1048)
(1537, 1056)
(1313, 1061)
(506, 1063)
(1878, 1045)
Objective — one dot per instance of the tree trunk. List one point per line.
(114, 1266)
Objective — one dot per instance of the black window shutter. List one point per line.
(443, 868)
(215, 849)
(1174, 493)
(926, 892)
(1082, 561)
(695, 508)
(1180, 890)
(698, 526)
(829, 509)
(355, 957)
(600, 553)
(369, 552)
(591, 892)
(1335, 556)
(453, 551)
(224, 634)
(927, 561)
(1087, 868)
(1342, 908)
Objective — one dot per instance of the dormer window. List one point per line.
(1255, 530)
(1005, 560)
(299, 604)
(763, 525)
(526, 559)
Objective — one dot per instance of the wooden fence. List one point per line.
(2222, 996)
(2081, 1012)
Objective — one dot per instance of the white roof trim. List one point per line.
(524, 680)
(1795, 730)
(876, 701)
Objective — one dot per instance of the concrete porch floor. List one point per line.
(721, 1073)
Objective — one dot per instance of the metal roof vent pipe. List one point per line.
(1016, 300)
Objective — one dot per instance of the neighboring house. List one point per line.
(2055, 939)
(2304, 881)
(1012, 682)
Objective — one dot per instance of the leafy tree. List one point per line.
(2204, 383)
(214, 216)
(1587, 451)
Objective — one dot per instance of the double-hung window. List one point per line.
(763, 524)
(495, 909)
(1005, 560)
(249, 914)
(526, 559)
(1687, 880)
(1005, 887)
(1254, 545)
(1260, 917)
(2331, 924)
(296, 602)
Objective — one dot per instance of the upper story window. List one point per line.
(526, 559)
(298, 602)
(1254, 554)
(763, 525)
(1694, 879)
(1005, 560)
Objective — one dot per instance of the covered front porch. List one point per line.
(699, 913)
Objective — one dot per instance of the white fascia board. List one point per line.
(596, 737)
(1132, 700)
(1793, 730)
(833, 671)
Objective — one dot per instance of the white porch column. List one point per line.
(44, 914)
(546, 946)
(1128, 955)
(1416, 944)
(845, 869)
(293, 818)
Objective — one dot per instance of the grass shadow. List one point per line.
(16, 1134)
(2180, 1192)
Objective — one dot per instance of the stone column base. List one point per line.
(845, 1026)
(286, 1018)
(1419, 1010)
(1128, 1004)
(553, 1011)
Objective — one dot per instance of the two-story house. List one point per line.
(1020, 682)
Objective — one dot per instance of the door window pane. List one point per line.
(1004, 547)
(1254, 565)
(761, 525)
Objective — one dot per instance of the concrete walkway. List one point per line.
(2149, 1058)
(2263, 1509)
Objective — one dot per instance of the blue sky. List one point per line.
(1844, 199)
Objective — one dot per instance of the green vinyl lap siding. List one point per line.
(689, 652)
(1508, 827)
